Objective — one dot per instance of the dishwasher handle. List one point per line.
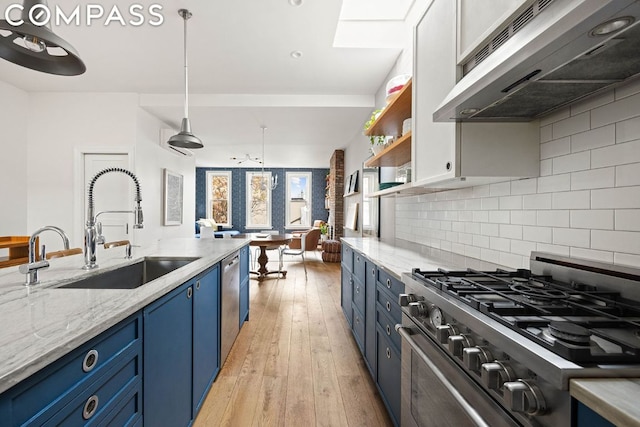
(230, 263)
(466, 406)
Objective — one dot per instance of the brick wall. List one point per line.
(336, 191)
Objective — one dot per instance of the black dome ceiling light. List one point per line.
(184, 138)
(34, 45)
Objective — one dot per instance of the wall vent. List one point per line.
(505, 34)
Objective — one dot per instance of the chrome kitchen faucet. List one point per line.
(31, 269)
(90, 232)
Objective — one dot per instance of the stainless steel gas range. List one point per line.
(498, 348)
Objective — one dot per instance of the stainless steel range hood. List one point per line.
(551, 61)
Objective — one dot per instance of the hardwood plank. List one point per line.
(216, 402)
(358, 401)
(326, 389)
(243, 401)
(271, 402)
(277, 363)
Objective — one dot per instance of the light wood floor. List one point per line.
(295, 362)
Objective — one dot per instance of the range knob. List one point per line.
(405, 299)
(444, 331)
(523, 396)
(474, 357)
(418, 309)
(494, 374)
(459, 342)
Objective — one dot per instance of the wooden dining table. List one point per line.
(263, 241)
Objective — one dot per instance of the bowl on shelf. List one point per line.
(395, 85)
(385, 185)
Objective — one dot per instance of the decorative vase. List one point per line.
(375, 149)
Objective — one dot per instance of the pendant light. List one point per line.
(37, 46)
(274, 179)
(184, 138)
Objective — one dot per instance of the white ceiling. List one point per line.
(241, 74)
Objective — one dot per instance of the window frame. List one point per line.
(249, 198)
(309, 199)
(228, 175)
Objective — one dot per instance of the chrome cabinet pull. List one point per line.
(90, 360)
(405, 333)
(388, 353)
(198, 284)
(388, 306)
(189, 292)
(90, 407)
(389, 283)
(388, 330)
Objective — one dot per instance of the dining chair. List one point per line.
(64, 252)
(287, 250)
(113, 244)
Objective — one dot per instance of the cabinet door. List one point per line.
(587, 417)
(168, 359)
(347, 292)
(434, 144)
(206, 334)
(244, 285)
(389, 375)
(370, 317)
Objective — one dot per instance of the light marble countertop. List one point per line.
(42, 323)
(615, 399)
(402, 257)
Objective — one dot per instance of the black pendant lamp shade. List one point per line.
(184, 138)
(37, 47)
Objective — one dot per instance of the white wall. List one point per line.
(14, 114)
(586, 202)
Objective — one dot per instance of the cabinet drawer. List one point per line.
(390, 283)
(359, 266)
(347, 257)
(388, 303)
(388, 325)
(347, 295)
(389, 375)
(128, 411)
(358, 294)
(100, 398)
(358, 327)
(57, 384)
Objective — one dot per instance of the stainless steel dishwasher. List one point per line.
(230, 303)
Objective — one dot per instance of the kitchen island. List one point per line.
(45, 322)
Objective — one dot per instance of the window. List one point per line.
(298, 201)
(369, 205)
(219, 197)
(258, 200)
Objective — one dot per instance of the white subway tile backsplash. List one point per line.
(592, 102)
(445, 245)
(545, 167)
(473, 204)
(626, 259)
(572, 162)
(481, 191)
(481, 241)
(513, 260)
(451, 236)
(553, 249)
(627, 90)
(545, 133)
(622, 109)
(490, 203)
(572, 237)
(571, 200)
(616, 198)
(523, 217)
(500, 217)
(457, 248)
(511, 231)
(595, 218)
(522, 247)
(616, 241)
(628, 130)
(473, 252)
(591, 254)
(472, 227)
(537, 234)
(536, 201)
(627, 219)
(594, 178)
(490, 229)
(490, 255)
(480, 216)
(553, 183)
(500, 189)
(555, 116)
(572, 125)
(524, 186)
(596, 138)
(628, 175)
(619, 154)
(465, 238)
(553, 218)
(457, 227)
(510, 202)
(465, 216)
(558, 147)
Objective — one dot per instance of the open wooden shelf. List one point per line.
(396, 154)
(18, 250)
(389, 123)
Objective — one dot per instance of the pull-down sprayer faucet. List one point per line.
(90, 233)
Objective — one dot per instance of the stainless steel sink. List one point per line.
(132, 276)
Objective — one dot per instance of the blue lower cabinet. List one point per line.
(106, 367)
(370, 318)
(244, 302)
(587, 417)
(206, 335)
(168, 355)
(347, 294)
(389, 375)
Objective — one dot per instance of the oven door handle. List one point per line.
(471, 412)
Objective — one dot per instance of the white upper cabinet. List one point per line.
(449, 154)
(478, 20)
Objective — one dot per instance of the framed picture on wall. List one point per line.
(347, 185)
(172, 189)
(353, 186)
